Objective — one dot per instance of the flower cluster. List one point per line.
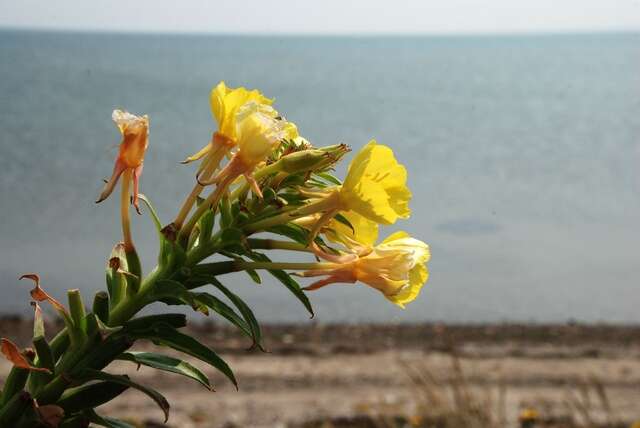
(256, 175)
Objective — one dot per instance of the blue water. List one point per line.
(523, 155)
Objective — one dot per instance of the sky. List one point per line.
(324, 17)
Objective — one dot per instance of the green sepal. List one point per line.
(90, 374)
(89, 396)
(168, 364)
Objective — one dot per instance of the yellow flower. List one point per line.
(363, 234)
(375, 188)
(376, 185)
(135, 139)
(395, 267)
(259, 131)
(225, 103)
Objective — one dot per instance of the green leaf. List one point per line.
(342, 219)
(90, 374)
(254, 276)
(152, 212)
(245, 310)
(286, 279)
(90, 396)
(168, 364)
(105, 421)
(166, 335)
(149, 321)
(226, 219)
(291, 231)
(329, 178)
(206, 223)
(223, 310)
(231, 237)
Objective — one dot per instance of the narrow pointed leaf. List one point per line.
(227, 312)
(166, 335)
(90, 374)
(244, 309)
(105, 421)
(286, 279)
(152, 212)
(90, 396)
(168, 364)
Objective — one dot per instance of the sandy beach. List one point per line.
(400, 375)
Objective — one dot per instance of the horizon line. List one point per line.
(266, 34)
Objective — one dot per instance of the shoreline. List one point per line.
(336, 375)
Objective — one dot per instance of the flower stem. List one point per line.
(211, 201)
(274, 244)
(212, 164)
(124, 210)
(326, 204)
(242, 265)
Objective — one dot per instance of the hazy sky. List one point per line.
(324, 16)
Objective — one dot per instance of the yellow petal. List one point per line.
(364, 231)
(225, 103)
(375, 185)
(418, 276)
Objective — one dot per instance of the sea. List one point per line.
(523, 155)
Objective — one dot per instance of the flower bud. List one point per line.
(312, 159)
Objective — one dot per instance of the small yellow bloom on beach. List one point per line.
(225, 103)
(375, 189)
(258, 131)
(376, 185)
(135, 139)
(395, 267)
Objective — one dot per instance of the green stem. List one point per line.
(274, 244)
(328, 203)
(212, 200)
(259, 174)
(238, 265)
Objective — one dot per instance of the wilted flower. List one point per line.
(135, 133)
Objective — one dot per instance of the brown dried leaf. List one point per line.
(39, 295)
(13, 354)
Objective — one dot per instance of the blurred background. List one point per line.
(518, 122)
